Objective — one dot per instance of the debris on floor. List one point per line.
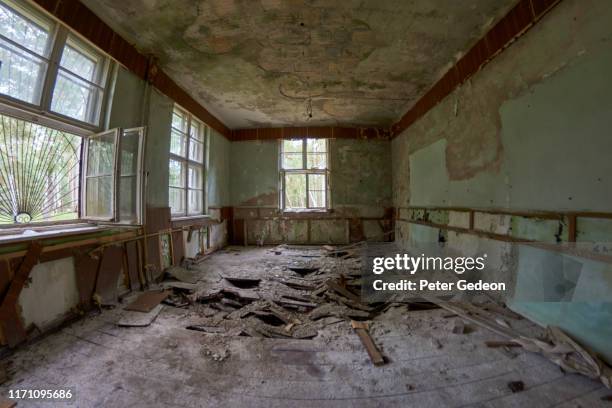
(139, 319)
(147, 301)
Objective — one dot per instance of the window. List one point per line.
(39, 173)
(112, 181)
(46, 69)
(304, 173)
(188, 138)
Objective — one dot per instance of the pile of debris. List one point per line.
(308, 288)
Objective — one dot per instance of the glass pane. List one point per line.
(177, 200)
(316, 181)
(21, 74)
(178, 143)
(295, 191)
(316, 145)
(179, 121)
(39, 172)
(82, 61)
(195, 177)
(127, 198)
(100, 156)
(316, 191)
(292, 161)
(292, 146)
(29, 31)
(196, 202)
(129, 152)
(198, 130)
(196, 151)
(177, 174)
(316, 199)
(316, 160)
(99, 196)
(76, 98)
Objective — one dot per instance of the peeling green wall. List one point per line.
(360, 174)
(254, 173)
(218, 171)
(530, 131)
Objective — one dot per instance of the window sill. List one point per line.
(190, 217)
(38, 232)
(307, 211)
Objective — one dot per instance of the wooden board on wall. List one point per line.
(110, 269)
(132, 254)
(86, 268)
(178, 247)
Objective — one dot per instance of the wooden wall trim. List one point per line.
(314, 132)
(79, 18)
(519, 20)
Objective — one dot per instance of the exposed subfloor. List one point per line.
(164, 364)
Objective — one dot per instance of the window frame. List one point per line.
(306, 171)
(186, 162)
(115, 216)
(42, 112)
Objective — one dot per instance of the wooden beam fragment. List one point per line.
(10, 321)
(361, 328)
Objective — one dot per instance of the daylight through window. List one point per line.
(304, 172)
(186, 166)
(39, 173)
(44, 68)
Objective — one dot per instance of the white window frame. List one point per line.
(304, 170)
(114, 217)
(58, 37)
(186, 162)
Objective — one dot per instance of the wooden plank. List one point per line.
(10, 321)
(361, 328)
(178, 247)
(331, 284)
(111, 266)
(139, 319)
(148, 301)
(86, 269)
(133, 268)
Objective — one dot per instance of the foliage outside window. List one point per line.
(45, 68)
(39, 173)
(186, 167)
(304, 173)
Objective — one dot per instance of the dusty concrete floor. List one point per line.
(165, 364)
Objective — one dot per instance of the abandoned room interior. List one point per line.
(318, 203)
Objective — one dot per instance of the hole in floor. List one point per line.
(302, 271)
(270, 319)
(244, 283)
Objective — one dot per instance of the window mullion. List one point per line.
(188, 137)
(52, 70)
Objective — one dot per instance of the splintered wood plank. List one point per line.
(361, 329)
(133, 264)
(10, 321)
(331, 284)
(139, 319)
(86, 268)
(147, 301)
(111, 266)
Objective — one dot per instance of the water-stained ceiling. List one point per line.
(260, 63)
